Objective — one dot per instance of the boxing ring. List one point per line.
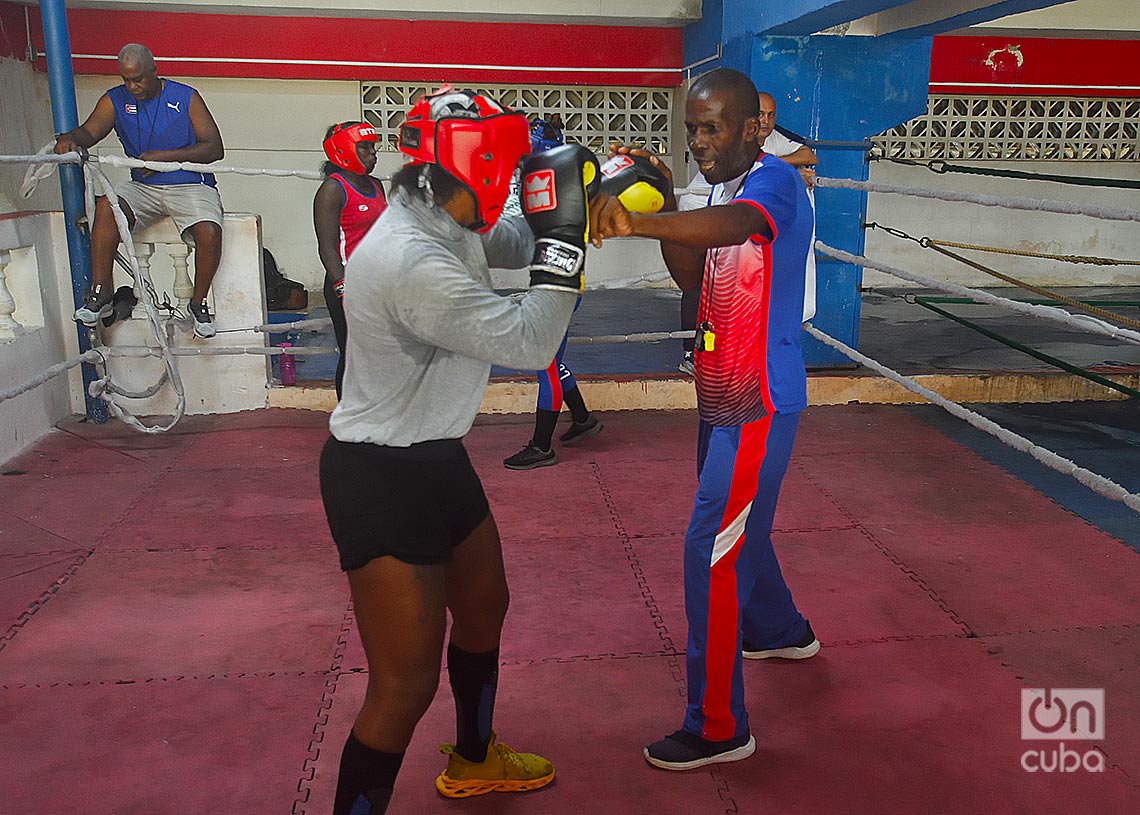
(185, 617)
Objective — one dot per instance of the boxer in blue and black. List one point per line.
(556, 383)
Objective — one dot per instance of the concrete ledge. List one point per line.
(669, 392)
(1006, 386)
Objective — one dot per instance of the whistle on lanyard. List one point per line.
(705, 338)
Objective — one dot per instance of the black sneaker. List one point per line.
(808, 646)
(96, 306)
(687, 751)
(530, 457)
(686, 365)
(203, 321)
(122, 304)
(580, 431)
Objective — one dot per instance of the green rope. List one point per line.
(926, 302)
(941, 167)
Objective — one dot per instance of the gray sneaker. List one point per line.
(686, 366)
(580, 431)
(203, 321)
(96, 305)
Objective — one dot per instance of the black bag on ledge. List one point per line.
(281, 294)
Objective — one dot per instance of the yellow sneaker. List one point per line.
(503, 770)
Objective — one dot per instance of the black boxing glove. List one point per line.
(635, 182)
(556, 190)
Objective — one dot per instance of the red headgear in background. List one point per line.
(340, 146)
(474, 138)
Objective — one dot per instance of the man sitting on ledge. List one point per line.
(156, 120)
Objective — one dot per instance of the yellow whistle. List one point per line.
(710, 341)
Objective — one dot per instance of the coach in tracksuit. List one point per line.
(746, 251)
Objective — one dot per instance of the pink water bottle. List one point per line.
(287, 366)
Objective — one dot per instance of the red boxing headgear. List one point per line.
(475, 139)
(340, 146)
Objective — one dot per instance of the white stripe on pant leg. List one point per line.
(728, 537)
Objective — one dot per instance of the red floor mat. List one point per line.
(223, 745)
(211, 559)
(136, 616)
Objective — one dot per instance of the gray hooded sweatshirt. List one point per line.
(425, 326)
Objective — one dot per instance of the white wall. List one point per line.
(1007, 228)
(25, 127)
(39, 280)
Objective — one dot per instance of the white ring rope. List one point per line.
(1006, 201)
(170, 166)
(45, 156)
(40, 166)
(1097, 483)
(617, 339)
(210, 351)
(103, 387)
(44, 162)
(50, 373)
(1058, 315)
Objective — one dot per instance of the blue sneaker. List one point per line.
(808, 646)
(687, 751)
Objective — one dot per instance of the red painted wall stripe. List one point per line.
(13, 42)
(277, 47)
(1034, 66)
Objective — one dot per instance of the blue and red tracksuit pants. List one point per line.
(733, 582)
(554, 381)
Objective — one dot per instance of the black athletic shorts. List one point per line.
(414, 503)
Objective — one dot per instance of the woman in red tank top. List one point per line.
(346, 205)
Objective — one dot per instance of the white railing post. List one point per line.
(183, 285)
(143, 253)
(9, 328)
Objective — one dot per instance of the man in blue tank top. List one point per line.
(156, 120)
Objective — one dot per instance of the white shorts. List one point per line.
(185, 204)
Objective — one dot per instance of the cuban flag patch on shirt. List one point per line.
(131, 109)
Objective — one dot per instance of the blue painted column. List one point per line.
(841, 89)
(61, 83)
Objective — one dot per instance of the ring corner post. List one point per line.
(840, 91)
(61, 83)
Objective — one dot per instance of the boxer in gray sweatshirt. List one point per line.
(406, 509)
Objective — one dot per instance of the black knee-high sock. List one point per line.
(577, 405)
(474, 680)
(366, 779)
(544, 424)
